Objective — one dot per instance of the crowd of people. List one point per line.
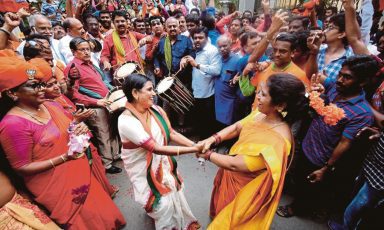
(281, 101)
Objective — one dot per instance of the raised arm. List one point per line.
(313, 42)
(11, 21)
(278, 21)
(352, 29)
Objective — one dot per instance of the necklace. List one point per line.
(260, 120)
(34, 116)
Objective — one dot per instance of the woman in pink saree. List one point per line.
(34, 137)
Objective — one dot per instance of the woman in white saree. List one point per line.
(145, 132)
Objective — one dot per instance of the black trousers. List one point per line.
(204, 120)
(308, 196)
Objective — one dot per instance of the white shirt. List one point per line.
(210, 66)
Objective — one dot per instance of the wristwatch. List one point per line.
(329, 167)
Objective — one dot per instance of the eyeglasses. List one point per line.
(37, 86)
(328, 28)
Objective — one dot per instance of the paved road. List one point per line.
(198, 186)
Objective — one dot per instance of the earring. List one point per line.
(283, 113)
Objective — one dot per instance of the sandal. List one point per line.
(115, 191)
(285, 211)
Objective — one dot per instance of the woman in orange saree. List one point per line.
(248, 185)
(34, 137)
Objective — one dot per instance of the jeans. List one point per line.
(366, 198)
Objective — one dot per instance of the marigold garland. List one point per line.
(331, 113)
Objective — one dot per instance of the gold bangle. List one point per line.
(178, 150)
(64, 160)
(53, 166)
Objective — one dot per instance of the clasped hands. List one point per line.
(204, 147)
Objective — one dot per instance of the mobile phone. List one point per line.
(80, 106)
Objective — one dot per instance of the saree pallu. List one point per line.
(249, 200)
(97, 167)
(21, 214)
(69, 191)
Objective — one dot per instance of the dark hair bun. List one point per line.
(287, 89)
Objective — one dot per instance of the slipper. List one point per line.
(285, 211)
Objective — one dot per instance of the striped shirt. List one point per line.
(334, 66)
(373, 167)
(321, 139)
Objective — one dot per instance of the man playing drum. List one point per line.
(91, 88)
(122, 45)
(170, 57)
(171, 53)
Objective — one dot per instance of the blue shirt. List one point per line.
(213, 36)
(210, 66)
(334, 66)
(321, 139)
(244, 61)
(182, 47)
(225, 94)
(49, 9)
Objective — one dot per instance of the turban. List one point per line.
(15, 71)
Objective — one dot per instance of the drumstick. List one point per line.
(126, 55)
(174, 75)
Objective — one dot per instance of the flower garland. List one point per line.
(331, 113)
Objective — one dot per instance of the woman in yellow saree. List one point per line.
(248, 185)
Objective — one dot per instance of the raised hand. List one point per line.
(316, 85)
(11, 21)
(349, 4)
(278, 20)
(314, 40)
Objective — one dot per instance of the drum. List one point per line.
(123, 71)
(117, 99)
(170, 89)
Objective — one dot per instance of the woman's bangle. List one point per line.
(53, 165)
(6, 31)
(178, 150)
(217, 138)
(64, 160)
(207, 156)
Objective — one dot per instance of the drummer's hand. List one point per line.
(157, 71)
(82, 115)
(103, 102)
(81, 128)
(107, 65)
(183, 62)
(192, 61)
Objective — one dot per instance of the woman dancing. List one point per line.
(248, 185)
(145, 133)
